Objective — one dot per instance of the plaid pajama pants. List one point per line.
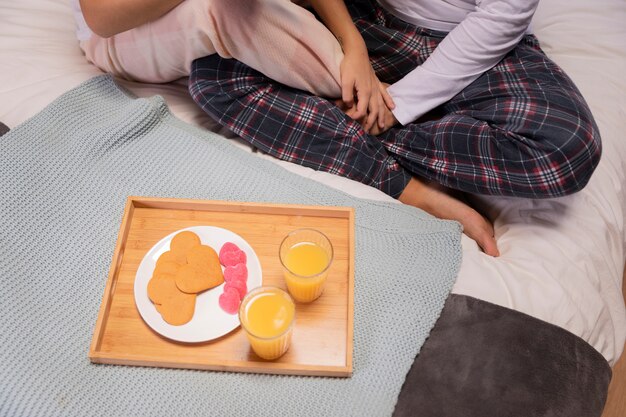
(521, 129)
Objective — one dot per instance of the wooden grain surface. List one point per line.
(616, 401)
(322, 338)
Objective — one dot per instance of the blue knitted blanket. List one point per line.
(64, 178)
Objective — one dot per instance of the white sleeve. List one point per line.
(474, 46)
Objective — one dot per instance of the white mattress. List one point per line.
(562, 259)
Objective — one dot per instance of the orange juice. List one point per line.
(306, 255)
(267, 315)
(306, 259)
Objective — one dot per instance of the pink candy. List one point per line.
(229, 247)
(235, 275)
(240, 286)
(229, 300)
(238, 272)
(231, 255)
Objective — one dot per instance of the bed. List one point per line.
(553, 297)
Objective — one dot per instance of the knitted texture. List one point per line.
(65, 175)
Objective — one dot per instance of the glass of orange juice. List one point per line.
(306, 256)
(267, 315)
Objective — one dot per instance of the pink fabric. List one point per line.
(276, 37)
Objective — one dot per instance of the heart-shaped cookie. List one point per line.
(192, 279)
(175, 306)
(182, 243)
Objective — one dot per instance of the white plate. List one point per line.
(209, 320)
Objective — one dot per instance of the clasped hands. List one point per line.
(364, 97)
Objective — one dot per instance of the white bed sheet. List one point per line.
(562, 259)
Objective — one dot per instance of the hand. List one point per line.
(389, 121)
(357, 75)
(372, 98)
(385, 115)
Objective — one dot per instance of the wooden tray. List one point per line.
(322, 337)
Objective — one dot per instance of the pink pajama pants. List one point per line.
(278, 38)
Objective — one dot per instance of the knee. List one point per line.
(574, 152)
(585, 151)
(217, 83)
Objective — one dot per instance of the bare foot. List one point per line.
(434, 200)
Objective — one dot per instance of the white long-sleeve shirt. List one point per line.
(481, 33)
